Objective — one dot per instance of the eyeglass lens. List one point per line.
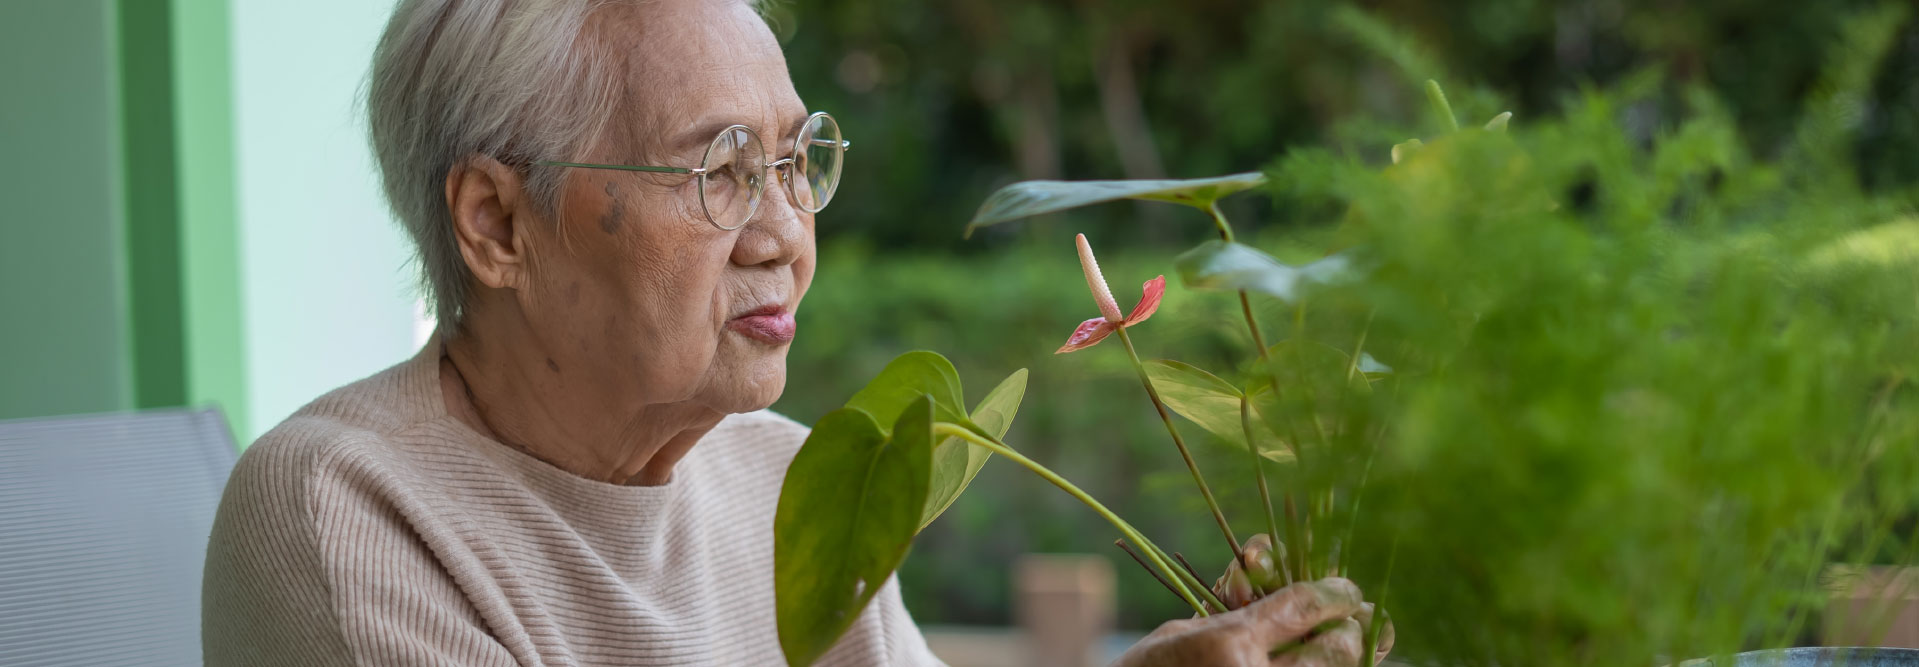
(734, 180)
(816, 163)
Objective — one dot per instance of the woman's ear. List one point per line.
(488, 206)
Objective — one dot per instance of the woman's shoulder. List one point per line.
(304, 445)
(352, 426)
(279, 477)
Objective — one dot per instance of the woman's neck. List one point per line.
(503, 396)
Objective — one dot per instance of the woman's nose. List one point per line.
(778, 232)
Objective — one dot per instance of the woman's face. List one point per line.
(634, 291)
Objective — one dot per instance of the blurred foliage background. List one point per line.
(947, 100)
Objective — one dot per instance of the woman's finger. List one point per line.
(1338, 647)
(1295, 610)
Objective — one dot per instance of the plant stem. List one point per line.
(1184, 564)
(1380, 616)
(1371, 648)
(1121, 543)
(1259, 469)
(1445, 110)
(1259, 347)
(1219, 517)
(1126, 529)
(1332, 559)
(1295, 541)
(1285, 568)
(1294, 538)
(1252, 325)
(1245, 303)
(1193, 581)
(1359, 492)
(1306, 531)
(1219, 220)
(1359, 348)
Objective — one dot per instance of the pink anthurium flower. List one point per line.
(1094, 330)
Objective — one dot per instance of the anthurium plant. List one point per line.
(1553, 395)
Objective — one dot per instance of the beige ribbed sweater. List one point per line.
(371, 528)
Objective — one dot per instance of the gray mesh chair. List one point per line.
(103, 530)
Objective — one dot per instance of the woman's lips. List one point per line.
(765, 325)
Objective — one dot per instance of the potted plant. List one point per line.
(1561, 395)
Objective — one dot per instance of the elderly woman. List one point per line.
(613, 204)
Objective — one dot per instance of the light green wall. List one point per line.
(64, 343)
(193, 215)
(326, 288)
(215, 343)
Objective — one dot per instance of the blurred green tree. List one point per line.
(947, 100)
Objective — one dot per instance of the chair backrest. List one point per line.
(103, 533)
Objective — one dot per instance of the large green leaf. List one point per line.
(956, 462)
(848, 511)
(1210, 402)
(1030, 198)
(904, 380)
(1227, 265)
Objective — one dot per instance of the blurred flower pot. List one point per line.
(1065, 605)
(1872, 606)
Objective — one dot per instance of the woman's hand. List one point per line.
(1311, 624)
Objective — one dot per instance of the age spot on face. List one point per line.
(615, 214)
(552, 366)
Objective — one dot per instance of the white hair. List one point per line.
(520, 81)
(516, 80)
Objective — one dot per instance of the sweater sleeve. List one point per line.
(286, 585)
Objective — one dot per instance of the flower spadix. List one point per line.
(1094, 330)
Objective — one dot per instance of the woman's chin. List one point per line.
(753, 384)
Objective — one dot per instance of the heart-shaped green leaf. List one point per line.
(1210, 402)
(904, 380)
(1029, 198)
(956, 462)
(848, 511)
(1227, 265)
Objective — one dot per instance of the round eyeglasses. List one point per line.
(733, 173)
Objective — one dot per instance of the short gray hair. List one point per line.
(517, 80)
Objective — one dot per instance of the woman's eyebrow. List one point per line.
(701, 135)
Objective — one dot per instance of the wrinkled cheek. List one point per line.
(679, 366)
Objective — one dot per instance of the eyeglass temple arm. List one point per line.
(623, 167)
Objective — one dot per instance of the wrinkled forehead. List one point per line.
(692, 67)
